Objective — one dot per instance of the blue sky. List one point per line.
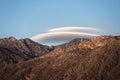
(26, 18)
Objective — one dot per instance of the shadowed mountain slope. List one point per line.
(13, 50)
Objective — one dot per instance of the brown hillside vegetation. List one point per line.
(96, 59)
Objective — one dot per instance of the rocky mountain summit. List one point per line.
(95, 59)
(13, 50)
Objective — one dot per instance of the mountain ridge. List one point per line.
(95, 59)
(23, 49)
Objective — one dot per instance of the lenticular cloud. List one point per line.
(63, 34)
(74, 29)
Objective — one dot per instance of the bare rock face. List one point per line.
(96, 59)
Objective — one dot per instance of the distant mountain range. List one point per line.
(79, 59)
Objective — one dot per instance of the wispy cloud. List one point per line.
(75, 29)
(63, 34)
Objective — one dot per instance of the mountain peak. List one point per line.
(9, 39)
(23, 49)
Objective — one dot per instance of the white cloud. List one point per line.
(74, 29)
(60, 35)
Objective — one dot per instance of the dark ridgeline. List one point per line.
(79, 59)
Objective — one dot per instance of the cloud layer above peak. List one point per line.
(63, 34)
(74, 29)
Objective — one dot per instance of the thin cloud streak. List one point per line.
(75, 29)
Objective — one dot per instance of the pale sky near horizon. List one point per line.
(27, 18)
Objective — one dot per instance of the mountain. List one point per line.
(71, 43)
(13, 50)
(95, 59)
